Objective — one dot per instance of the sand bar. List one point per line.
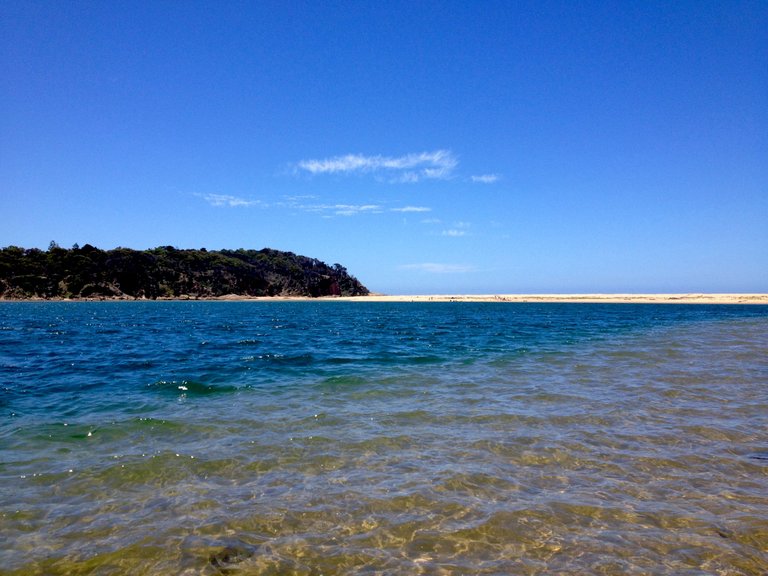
(586, 298)
(693, 298)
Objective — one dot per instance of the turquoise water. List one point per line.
(383, 438)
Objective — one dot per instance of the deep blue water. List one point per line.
(393, 438)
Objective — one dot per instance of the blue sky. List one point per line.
(430, 147)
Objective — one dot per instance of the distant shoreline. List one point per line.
(693, 298)
(697, 298)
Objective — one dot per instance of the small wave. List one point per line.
(189, 388)
(335, 382)
(425, 359)
(762, 456)
(287, 360)
(341, 360)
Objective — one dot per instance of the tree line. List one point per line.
(167, 272)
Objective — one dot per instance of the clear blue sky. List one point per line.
(433, 147)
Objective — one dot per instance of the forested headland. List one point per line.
(167, 272)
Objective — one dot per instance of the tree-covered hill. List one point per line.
(167, 272)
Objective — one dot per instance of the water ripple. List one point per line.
(333, 438)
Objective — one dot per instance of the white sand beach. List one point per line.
(699, 298)
(693, 298)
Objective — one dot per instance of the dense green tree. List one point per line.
(167, 271)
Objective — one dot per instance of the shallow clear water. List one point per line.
(345, 438)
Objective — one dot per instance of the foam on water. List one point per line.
(339, 438)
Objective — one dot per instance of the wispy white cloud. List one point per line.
(412, 209)
(486, 178)
(435, 268)
(228, 200)
(304, 203)
(436, 165)
(294, 203)
(406, 178)
(300, 198)
(339, 209)
(459, 229)
(353, 209)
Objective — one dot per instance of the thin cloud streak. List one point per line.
(352, 210)
(486, 178)
(412, 209)
(293, 203)
(340, 209)
(437, 165)
(296, 203)
(459, 229)
(228, 200)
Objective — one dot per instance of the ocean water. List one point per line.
(383, 438)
